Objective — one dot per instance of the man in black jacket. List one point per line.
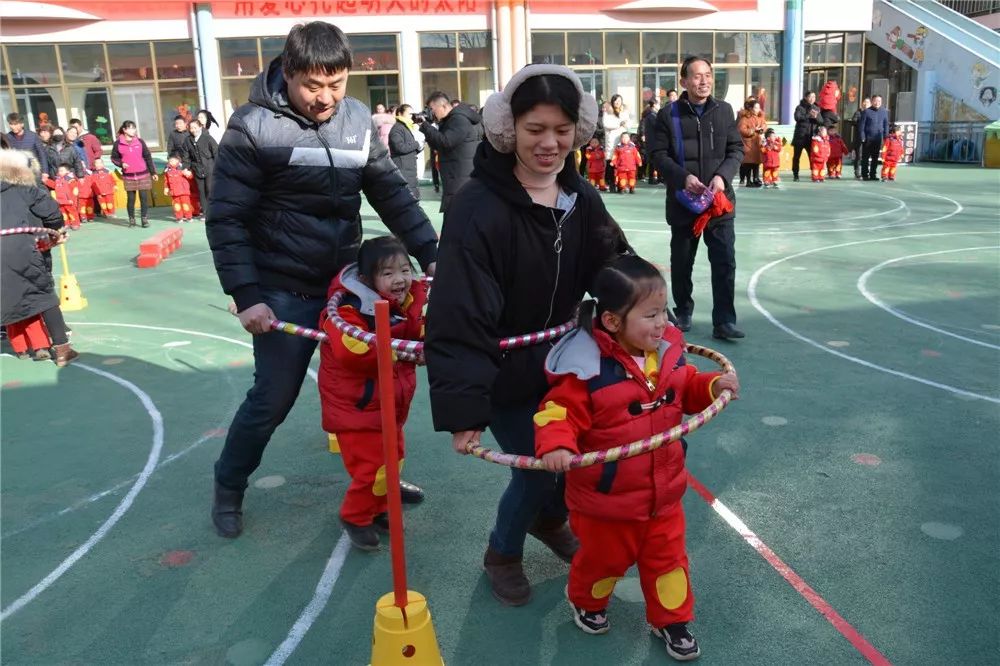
(24, 139)
(696, 146)
(178, 137)
(283, 220)
(856, 136)
(874, 127)
(455, 139)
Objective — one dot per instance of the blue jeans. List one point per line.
(530, 494)
(280, 364)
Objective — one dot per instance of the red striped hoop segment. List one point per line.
(628, 450)
(54, 233)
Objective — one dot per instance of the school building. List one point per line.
(107, 61)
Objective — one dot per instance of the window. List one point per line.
(765, 47)
(548, 48)
(657, 82)
(41, 105)
(432, 82)
(130, 61)
(730, 85)
(475, 50)
(238, 57)
(585, 48)
(374, 89)
(476, 85)
(235, 92)
(824, 47)
(855, 47)
(765, 85)
(375, 52)
(659, 47)
(83, 63)
(138, 104)
(92, 105)
(696, 44)
(177, 99)
(270, 48)
(438, 50)
(730, 47)
(622, 48)
(174, 60)
(33, 64)
(459, 64)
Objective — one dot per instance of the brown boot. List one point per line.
(555, 534)
(510, 585)
(65, 355)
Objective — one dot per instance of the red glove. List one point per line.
(720, 206)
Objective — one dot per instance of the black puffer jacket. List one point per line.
(712, 147)
(805, 126)
(455, 140)
(285, 209)
(403, 148)
(26, 286)
(501, 275)
(64, 154)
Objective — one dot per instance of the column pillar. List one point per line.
(504, 50)
(926, 83)
(410, 84)
(793, 52)
(519, 36)
(210, 79)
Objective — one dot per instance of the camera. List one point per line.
(420, 118)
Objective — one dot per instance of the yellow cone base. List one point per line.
(394, 643)
(70, 297)
(334, 444)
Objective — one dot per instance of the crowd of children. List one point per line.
(76, 196)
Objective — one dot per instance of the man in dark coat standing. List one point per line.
(455, 139)
(24, 139)
(874, 128)
(807, 120)
(696, 146)
(856, 136)
(284, 218)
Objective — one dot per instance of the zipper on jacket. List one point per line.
(333, 169)
(557, 245)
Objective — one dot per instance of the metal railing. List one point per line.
(973, 7)
(957, 142)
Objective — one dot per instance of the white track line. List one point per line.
(862, 285)
(123, 506)
(324, 588)
(752, 295)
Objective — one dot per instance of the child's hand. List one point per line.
(558, 460)
(166, 191)
(729, 381)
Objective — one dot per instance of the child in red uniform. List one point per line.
(772, 157)
(104, 187)
(85, 198)
(838, 149)
(347, 380)
(65, 192)
(594, 154)
(619, 378)
(626, 162)
(892, 152)
(819, 154)
(177, 186)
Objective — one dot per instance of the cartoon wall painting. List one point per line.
(919, 35)
(980, 72)
(896, 42)
(988, 95)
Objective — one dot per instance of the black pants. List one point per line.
(749, 173)
(143, 203)
(720, 238)
(856, 147)
(796, 156)
(204, 192)
(609, 177)
(869, 158)
(53, 318)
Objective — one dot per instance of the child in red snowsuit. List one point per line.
(819, 154)
(594, 154)
(619, 378)
(85, 186)
(892, 152)
(65, 192)
(347, 380)
(626, 161)
(177, 186)
(104, 187)
(838, 149)
(771, 151)
(828, 99)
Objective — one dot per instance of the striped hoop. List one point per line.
(628, 450)
(54, 233)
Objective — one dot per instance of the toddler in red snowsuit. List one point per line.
(772, 158)
(892, 152)
(838, 149)
(626, 162)
(177, 186)
(594, 154)
(619, 378)
(819, 154)
(104, 187)
(348, 372)
(85, 187)
(65, 191)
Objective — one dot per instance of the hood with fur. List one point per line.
(18, 168)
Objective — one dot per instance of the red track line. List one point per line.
(860, 643)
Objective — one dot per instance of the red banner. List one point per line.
(292, 8)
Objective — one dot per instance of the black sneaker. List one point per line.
(409, 493)
(381, 522)
(683, 322)
(727, 332)
(363, 537)
(590, 622)
(681, 645)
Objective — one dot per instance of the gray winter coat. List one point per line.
(285, 208)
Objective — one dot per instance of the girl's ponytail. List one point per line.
(588, 311)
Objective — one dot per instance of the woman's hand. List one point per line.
(461, 441)
(155, 178)
(728, 381)
(558, 460)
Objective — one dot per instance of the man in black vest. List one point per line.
(705, 153)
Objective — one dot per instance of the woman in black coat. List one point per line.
(201, 150)
(807, 119)
(63, 151)
(26, 285)
(521, 244)
(404, 147)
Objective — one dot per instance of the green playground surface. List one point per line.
(855, 517)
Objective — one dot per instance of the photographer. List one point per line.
(455, 139)
(751, 124)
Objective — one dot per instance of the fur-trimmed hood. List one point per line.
(18, 167)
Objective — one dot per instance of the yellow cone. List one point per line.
(334, 444)
(70, 296)
(412, 643)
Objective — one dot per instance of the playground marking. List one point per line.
(838, 343)
(176, 343)
(774, 420)
(869, 459)
(862, 286)
(269, 482)
(860, 643)
(943, 531)
(752, 295)
(324, 588)
(123, 506)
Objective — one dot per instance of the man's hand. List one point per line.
(558, 460)
(718, 184)
(728, 381)
(45, 176)
(431, 267)
(693, 185)
(460, 441)
(257, 319)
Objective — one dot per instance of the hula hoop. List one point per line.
(415, 347)
(320, 336)
(54, 233)
(628, 450)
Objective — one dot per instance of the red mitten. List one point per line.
(720, 206)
